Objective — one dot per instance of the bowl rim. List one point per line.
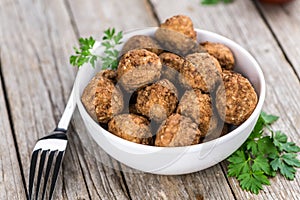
(196, 147)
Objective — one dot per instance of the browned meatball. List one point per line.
(177, 35)
(157, 101)
(141, 42)
(221, 52)
(172, 64)
(200, 71)
(137, 68)
(198, 106)
(182, 24)
(131, 127)
(177, 130)
(101, 98)
(239, 99)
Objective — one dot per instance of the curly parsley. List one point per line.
(84, 54)
(262, 155)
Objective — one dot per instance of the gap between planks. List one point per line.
(154, 13)
(77, 34)
(261, 13)
(220, 164)
(7, 106)
(72, 18)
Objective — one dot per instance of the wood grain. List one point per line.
(36, 41)
(11, 186)
(105, 14)
(282, 82)
(156, 187)
(207, 184)
(125, 15)
(284, 21)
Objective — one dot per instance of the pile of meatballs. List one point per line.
(169, 90)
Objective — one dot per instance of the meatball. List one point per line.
(177, 35)
(200, 71)
(238, 98)
(131, 127)
(101, 98)
(141, 42)
(157, 101)
(177, 130)
(172, 64)
(198, 106)
(182, 24)
(221, 52)
(137, 68)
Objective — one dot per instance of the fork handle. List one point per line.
(67, 114)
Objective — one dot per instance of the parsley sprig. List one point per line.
(85, 54)
(263, 154)
(212, 2)
(110, 40)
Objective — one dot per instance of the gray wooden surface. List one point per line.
(36, 39)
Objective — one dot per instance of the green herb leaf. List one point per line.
(266, 146)
(212, 2)
(110, 40)
(280, 140)
(290, 147)
(285, 169)
(291, 159)
(252, 146)
(209, 2)
(84, 54)
(268, 119)
(258, 128)
(239, 164)
(264, 153)
(253, 181)
(260, 163)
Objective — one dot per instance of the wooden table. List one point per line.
(36, 40)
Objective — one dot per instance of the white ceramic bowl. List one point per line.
(176, 160)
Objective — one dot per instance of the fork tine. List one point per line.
(48, 168)
(55, 172)
(32, 171)
(41, 167)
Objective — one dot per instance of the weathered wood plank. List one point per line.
(104, 14)
(92, 17)
(38, 100)
(284, 20)
(102, 177)
(241, 22)
(143, 185)
(36, 41)
(11, 186)
(33, 85)
(207, 184)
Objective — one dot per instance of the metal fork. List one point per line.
(50, 149)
